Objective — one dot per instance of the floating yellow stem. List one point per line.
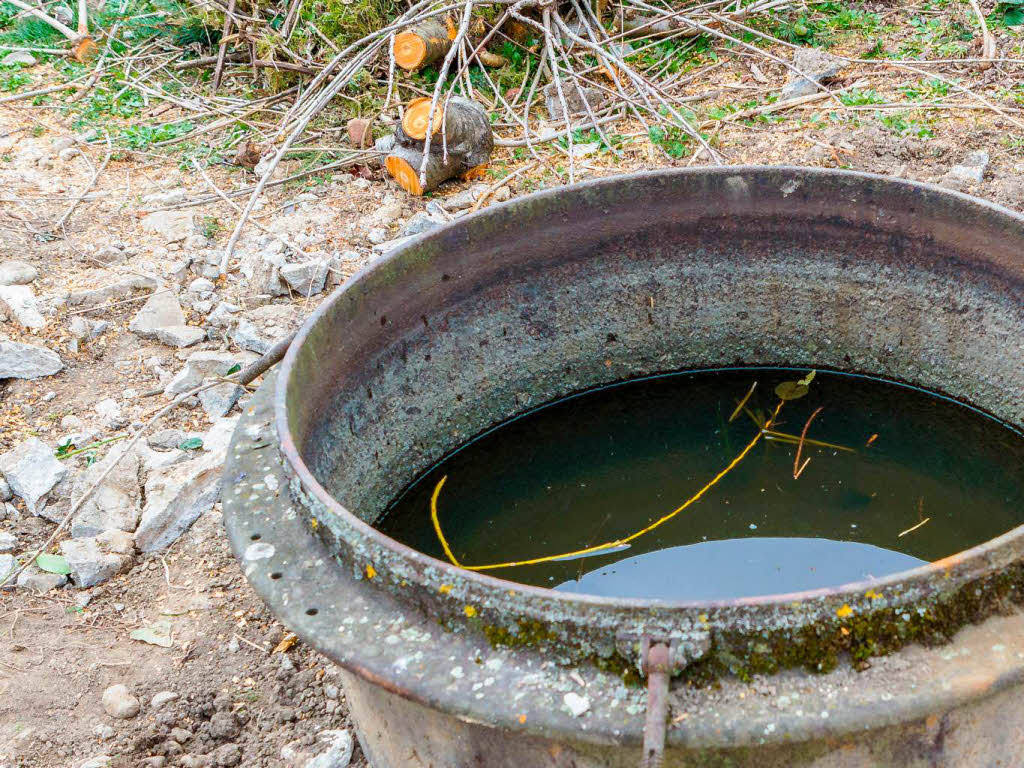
(742, 403)
(914, 528)
(785, 437)
(437, 524)
(608, 544)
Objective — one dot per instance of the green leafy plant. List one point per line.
(1010, 13)
(13, 81)
(904, 126)
(856, 97)
(142, 136)
(671, 139)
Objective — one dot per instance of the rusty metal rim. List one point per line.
(299, 573)
(978, 555)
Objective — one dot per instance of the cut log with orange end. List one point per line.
(406, 176)
(85, 50)
(465, 152)
(421, 45)
(417, 117)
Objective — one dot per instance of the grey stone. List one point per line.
(84, 329)
(386, 214)
(419, 223)
(223, 726)
(15, 58)
(377, 235)
(15, 272)
(221, 315)
(306, 278)
(7, 564)
(32, 471)
(39, 581)
(8, 541)
(161, 699)
(152, 460)
(202, 285)
(25, 361)
(175, 497)
(91, 562)
(171, 226)
(575, 100)
(202, 364)
(120, 290)
(247, 336)
(970, 171)
(116, 504)
(338, 753)
(59, 500)
(227, 755)
(262, 270)
(110, 414)
(119, 703)
(166, 439)
(465, 198)
(5, 490)
(180, 336)
(817, 65)
(219, 400)
(161, 310)
(219, 436)
(170, 197)
(100, 761)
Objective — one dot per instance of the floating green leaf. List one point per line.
(191, 444)
(53, 564)
(791, 390)
(794, 390)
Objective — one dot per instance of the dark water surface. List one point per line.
(600, 466)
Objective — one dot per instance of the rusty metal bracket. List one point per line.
(657, 667)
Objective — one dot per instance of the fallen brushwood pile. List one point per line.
(443, 82)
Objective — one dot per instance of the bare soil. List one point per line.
(58, 653)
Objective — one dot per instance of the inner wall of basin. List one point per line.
(651, 302)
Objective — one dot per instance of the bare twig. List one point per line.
(988, 45)
(222, 49)
(59, 224)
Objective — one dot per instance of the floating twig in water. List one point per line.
(786, 437)
(599, 548)
(914, 528)
(742, 403)
(920, 513)
(798, 468)
(871, 440)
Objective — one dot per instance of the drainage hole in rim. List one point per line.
(275, 575)
(255, 537)
(312, 611)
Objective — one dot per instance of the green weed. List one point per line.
(14, 81)
(856, 97)
(904, 126)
